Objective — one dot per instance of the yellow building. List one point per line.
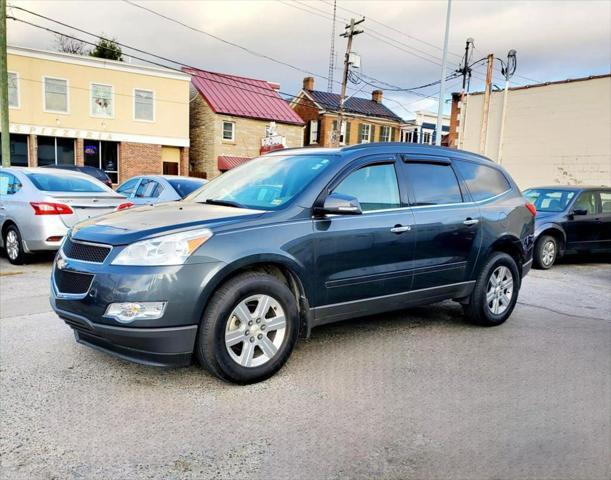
(70, 109)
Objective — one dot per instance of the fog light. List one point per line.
(130, 311)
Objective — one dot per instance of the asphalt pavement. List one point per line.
(417, 394)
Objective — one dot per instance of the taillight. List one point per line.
(531, 208)
(49, 208)
(125, 205)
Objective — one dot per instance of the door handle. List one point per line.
(400, 228)
(471, 221)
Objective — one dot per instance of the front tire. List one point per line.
(13, 246)
(249, 329)
(546, 252)
(496, 292)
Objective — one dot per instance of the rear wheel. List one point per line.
(496, 291)
(14, 246)
(546, 252)
(249, 329)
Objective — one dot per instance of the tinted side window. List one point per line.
(483, 182)
(9, 184)
(128, 187)
(375, 187)
(148, 189)
(605, 201)
(433, 184)
(586, 201)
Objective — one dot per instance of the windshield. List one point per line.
(185, 186)
(265, 183)
(55, 183)
(548, 199)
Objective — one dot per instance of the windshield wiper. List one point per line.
(224, 203)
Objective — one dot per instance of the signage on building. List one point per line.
(272, 140)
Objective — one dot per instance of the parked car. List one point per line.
(95, 172)
(298, 238)
(571, 218)
(150, 189)
(39, 205)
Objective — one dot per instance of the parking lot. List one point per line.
(414, 394)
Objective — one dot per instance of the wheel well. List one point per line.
(554, 232)
(509, 247)
(7, 224)
(290, 279)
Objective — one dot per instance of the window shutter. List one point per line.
(372, 137)
(318, 131)
(347, 142)
(360, 133)
(391, 137)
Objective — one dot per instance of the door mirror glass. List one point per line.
(340, 204)
(580, 211)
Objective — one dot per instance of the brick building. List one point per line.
(234, 119)
(74, 109)
(365, 120)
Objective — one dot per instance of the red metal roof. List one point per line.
(227, 162)
(243, 97)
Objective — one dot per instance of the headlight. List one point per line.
(166, 250)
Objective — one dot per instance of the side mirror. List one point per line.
(339, 204)
(579, 211)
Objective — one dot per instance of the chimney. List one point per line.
(308, 83)
(376, 96)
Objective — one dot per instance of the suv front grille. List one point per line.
(85, 251)
(72, 282)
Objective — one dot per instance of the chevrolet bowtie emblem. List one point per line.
(61, 263)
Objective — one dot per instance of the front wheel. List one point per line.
(546, 252)
(249, 329)
(496, 291)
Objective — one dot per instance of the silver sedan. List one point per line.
(39, 205)
(150, 189)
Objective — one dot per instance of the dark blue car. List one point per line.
(241, 268)
(570, 219)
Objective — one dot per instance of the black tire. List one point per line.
(477, 310)
(541, 258)
(211, 350)
(20, 256)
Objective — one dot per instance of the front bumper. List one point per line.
(165, 341)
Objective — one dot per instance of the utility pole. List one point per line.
(444, 62)
(508, 71)
(484, 130)
(4, 126)
(466, 76)
(350, 33)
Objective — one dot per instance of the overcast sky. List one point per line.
(401, 45)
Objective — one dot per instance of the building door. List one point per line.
(170, 158)
(103, 155)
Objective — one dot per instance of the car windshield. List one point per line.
(549, 199)
(67, 183)
(265, 183)
(185, 186)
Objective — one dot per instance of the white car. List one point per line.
(39, 205)
(150, 189)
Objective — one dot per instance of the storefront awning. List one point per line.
(227, 162)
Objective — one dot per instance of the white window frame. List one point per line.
(342, 133)
(368, 133)
(112, 99)
(18, 82)
(387, 129)
(313, 132)
(232, 139)
(134, 106)
(428, 132)
(44, 95)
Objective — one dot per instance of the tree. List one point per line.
(69, 45)
(107, 48)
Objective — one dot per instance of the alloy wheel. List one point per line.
(548, 253)
(500, 290)
(12, 245)
(255, 330)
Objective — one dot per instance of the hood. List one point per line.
(136, 223)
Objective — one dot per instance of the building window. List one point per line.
(342, 134)
(104, 155)
(55, 95)
(144, 105)
(229, 131)
(55, 151)
(427, 137)
(313, 132)
(18, 149)
(102, 101)
(13, 90)
(365, 133)
(385, 131)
